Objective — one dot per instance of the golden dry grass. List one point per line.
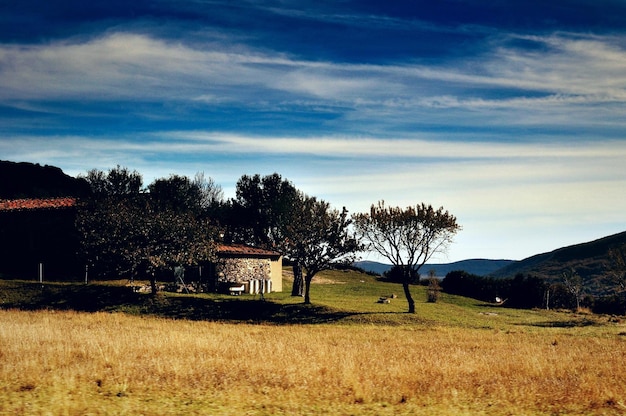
(69, 363)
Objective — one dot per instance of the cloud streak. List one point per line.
(458, 165)
(140, 67)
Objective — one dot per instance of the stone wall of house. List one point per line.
(242, 269)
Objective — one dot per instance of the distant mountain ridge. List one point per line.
(479, 267)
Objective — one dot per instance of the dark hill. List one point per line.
(589, 260)
(479, 267)
(28, 180)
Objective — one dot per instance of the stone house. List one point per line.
(250, 269)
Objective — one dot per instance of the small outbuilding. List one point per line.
(39, 234)
(248, 269)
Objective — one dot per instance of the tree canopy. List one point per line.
(117, 182)
(129, 229)
(319, 239)
(407, 237)
(262, 209)
(125, 231)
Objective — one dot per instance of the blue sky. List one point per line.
(509, 114)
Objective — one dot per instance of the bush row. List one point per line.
(527, 291)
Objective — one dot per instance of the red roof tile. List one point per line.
(243, 250)
(32, 204)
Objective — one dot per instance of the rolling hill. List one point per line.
(590, 260)
(29, 180)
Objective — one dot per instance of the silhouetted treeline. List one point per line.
(527, 291)
(612, 305)
(522, 291)
(397, 273)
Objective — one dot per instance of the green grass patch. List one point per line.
(344, 297)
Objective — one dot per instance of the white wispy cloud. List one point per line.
(566, 70)
(339, 147)
(462, 164)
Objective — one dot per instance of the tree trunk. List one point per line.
(409, 298)
(298, 283)
(153, 285)
(307, 289)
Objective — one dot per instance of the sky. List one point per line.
(509, 114)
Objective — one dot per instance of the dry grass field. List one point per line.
(385, 362)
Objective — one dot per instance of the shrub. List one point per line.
(611, 305)
(433, 289)
(396, 275)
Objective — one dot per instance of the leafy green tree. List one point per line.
(319, 239)
(177, 193)
(263, 206)
(408, 238)
(525, 291)
(104, 220)
(261, 214)
(270, 212)
(397, 274)
(117, 182)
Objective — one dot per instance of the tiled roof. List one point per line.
(243, 250)
(33, 204)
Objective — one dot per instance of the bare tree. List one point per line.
(433, 287)
(574, 284)
(617, 267)
(211, 193)
(408, 238)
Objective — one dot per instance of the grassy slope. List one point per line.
(337, 296)
(357, 295)
(458, 356)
